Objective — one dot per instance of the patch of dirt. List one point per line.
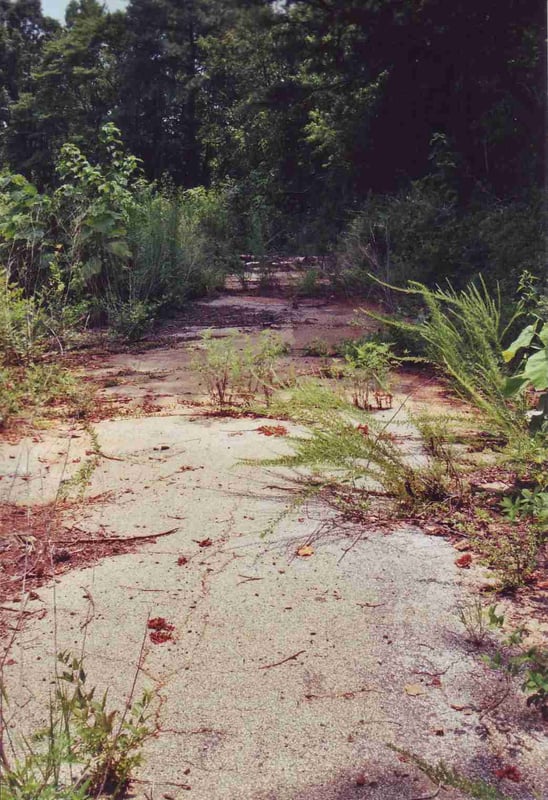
(36, 546)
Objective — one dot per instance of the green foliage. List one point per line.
(237, 368)
(318, 348)
(530, 504)
(85, 749)
(71, 89)
(366, 454)
(225, 368)
(314, 136)
(306, 402)
(443, 775)
(535, 683)
(105, 238)
(93, 204)
(130, 319)
(22, 324)
(422, 234)
(367, 369)
(11, 396)
(33, 389)
(532, 346)
(309, 284)
(511, 553)
(529, 663)
(415, 235)
(181, 245)
(479, 619)
(463, 332)
(77, 484)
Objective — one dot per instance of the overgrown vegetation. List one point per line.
(85, 750)
(363, 452)
(529, 663)
(430, 471)
(238, 368)
(104, 243)
(367, 368)
(422, 234)
(463, 333)
(144, 150)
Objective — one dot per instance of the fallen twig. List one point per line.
(246, 578)
(278, 663)
(120, 539)
(335, 695)
(109, 458)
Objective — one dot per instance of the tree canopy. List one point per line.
(306, 105)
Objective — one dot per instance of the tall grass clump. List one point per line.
(463, 332)
(180, 245)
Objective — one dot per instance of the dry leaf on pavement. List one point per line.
(414, 689)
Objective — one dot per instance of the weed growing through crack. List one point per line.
(367, 452)
(237, 369)
(478, 620)
(79, 482)
(85, 750)
(512, 550)
(35, 389)
(367, 370)
(530, 664)
(511, 553)
(444, 776)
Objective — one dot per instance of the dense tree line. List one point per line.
(303, 108)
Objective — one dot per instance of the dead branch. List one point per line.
(120, 539)
(278, 663)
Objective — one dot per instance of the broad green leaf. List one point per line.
(513, 385)
(102, 222)
(543, 334)
(523, 340)
(536, 369)
(119, 249)
(91, 268)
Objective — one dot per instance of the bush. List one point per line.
(236, 374)
(22, 324)
(414, 235)
(35, 387)
(424, 234)
(309, 284)
(130, 319)
(367, 370)
(11, 394)
(511, 553)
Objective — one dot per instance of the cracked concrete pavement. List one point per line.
(286, 677)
